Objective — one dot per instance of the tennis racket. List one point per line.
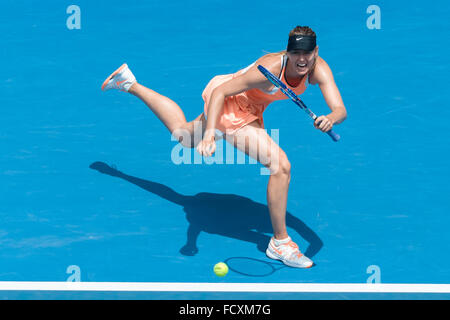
(288, 92)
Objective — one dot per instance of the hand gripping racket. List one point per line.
(288, 92)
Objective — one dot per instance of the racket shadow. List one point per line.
(229, 215)
(252, 267)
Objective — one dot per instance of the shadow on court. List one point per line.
(252, 267)
(228, 215)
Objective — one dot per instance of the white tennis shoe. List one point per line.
(121, 79)
(288, 253)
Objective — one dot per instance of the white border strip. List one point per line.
(223, 287)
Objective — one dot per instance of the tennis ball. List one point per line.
(220, 269)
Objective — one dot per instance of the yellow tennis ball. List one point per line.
(220, 269)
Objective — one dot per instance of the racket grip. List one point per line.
(333, 135)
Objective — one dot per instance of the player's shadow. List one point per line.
(228, 215)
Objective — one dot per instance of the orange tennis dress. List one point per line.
(247, 106)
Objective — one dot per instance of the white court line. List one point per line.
(223, 287)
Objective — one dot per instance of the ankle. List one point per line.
(280, 236)
(133, 88)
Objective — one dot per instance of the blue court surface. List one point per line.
(93, 205)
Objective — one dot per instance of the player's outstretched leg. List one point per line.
(164, 108)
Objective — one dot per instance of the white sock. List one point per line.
(281, 241)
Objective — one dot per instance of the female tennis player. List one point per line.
(234, 104)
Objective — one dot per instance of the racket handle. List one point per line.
(333, 135)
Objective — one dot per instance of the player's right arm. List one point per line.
(251, 79)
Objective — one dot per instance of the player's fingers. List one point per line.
(323, 124)
(201, 148)
(206, 152)
(210, 149)
(330, 126)
(318, 121)
(213, 148)
(204, 149)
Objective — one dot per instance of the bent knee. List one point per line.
(280, 165)
(284, 166)
(184, 137)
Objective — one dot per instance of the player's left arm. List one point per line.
(323, 76)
